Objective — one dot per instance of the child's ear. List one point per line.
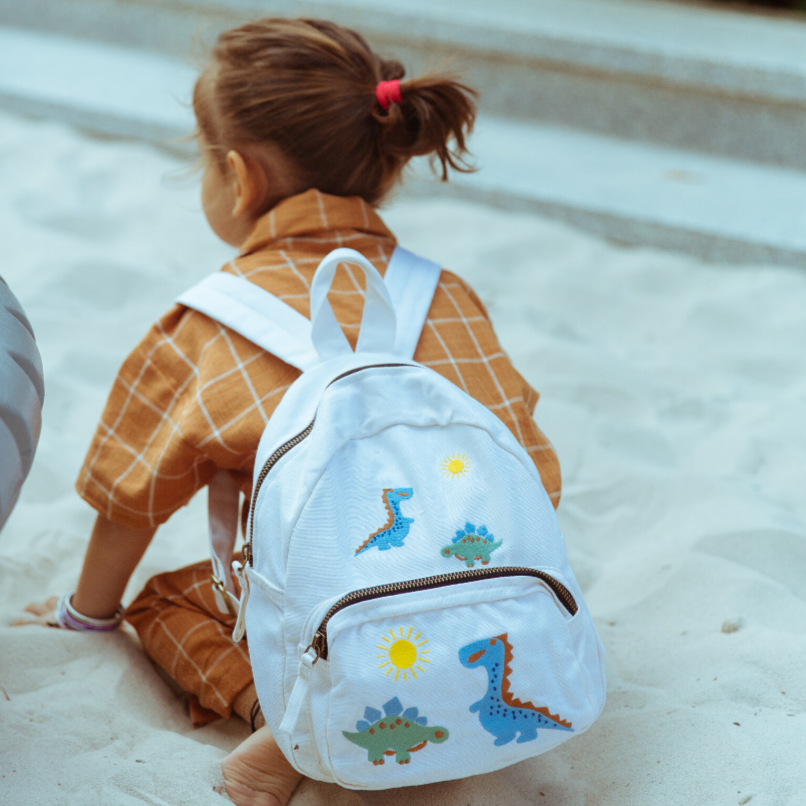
(251, 184)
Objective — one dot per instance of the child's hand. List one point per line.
(45, 613)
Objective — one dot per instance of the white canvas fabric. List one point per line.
(411, 612)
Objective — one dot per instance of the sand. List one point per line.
(674, 391)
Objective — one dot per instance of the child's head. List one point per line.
(288, 105)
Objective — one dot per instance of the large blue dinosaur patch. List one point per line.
(499, 712)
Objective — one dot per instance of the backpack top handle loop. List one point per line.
(378, 322)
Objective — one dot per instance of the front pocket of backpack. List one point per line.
(445, 682)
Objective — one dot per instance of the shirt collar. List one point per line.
(312, 212)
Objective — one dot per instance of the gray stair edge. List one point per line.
(168, 138)
(763, 75)
(620, 229)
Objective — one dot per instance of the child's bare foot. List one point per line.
(257, 773)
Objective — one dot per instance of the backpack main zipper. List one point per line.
(319, 642)
(284, 449)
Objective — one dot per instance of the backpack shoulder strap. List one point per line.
(276, 327)
(223, 501)
(411, 281)
(256, 314)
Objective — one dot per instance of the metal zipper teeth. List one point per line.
(319, 642)
(270, 462)
(284, 448)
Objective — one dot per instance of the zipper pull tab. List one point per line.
(246, 553)
(243, 579)
(318, 645)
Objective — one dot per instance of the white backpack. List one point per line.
(411, 613)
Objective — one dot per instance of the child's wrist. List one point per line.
(68, 618)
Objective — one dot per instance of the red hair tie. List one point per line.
(388, 92)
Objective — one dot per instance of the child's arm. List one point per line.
(112, 555)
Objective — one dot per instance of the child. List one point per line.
(303, 131)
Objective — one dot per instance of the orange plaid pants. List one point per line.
(184, 633)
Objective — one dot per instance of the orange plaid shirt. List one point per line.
(195, 396)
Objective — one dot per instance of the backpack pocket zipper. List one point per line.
(284, 449)
(319, 642)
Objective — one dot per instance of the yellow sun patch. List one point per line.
(457, 464)
(403, 653)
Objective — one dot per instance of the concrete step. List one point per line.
(721, 209)
(635, 192)
(96, 86)
(695, 77)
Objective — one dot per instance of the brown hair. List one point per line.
(308, 87)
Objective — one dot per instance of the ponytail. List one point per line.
(433, 110)
(308, 87)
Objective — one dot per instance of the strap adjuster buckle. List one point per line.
(219, 586)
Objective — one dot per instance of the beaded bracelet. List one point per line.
(68, 618)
